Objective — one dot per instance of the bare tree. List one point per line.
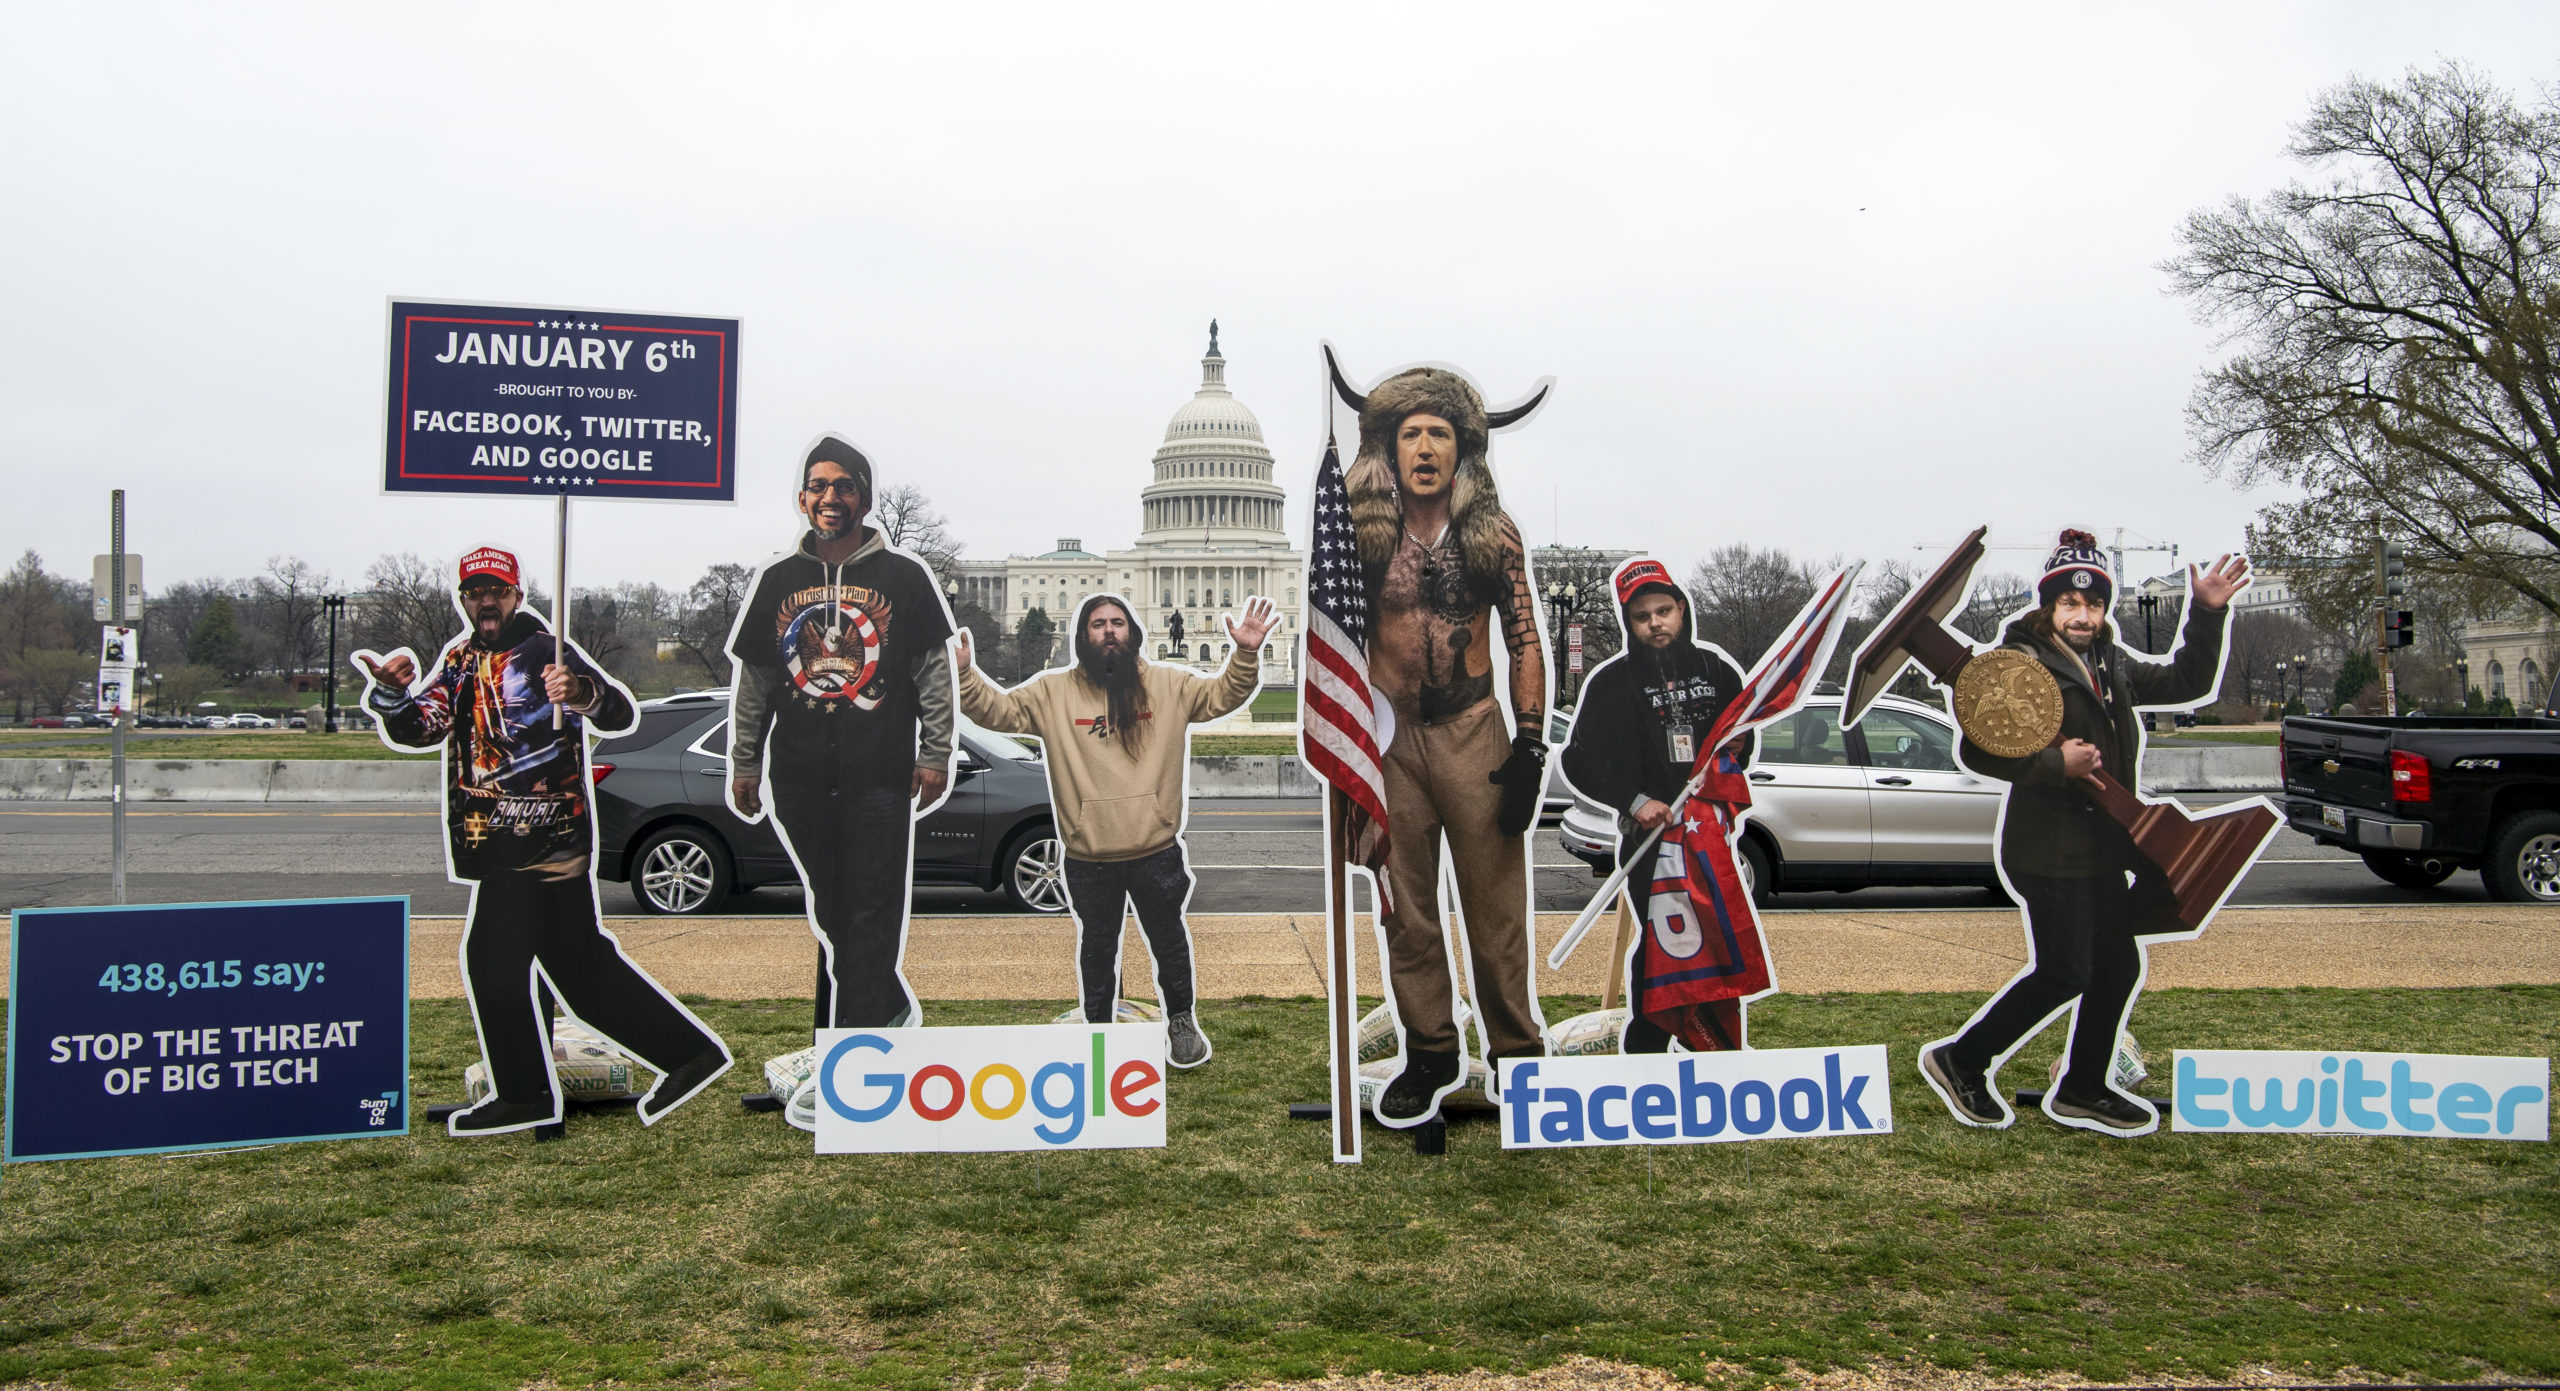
(710, 610)
(906, 518)
(285, 613)
(1746, 596)
(51, 678)
(1995, 598)
(2257, 644)
(2398, 364)
(405, 604)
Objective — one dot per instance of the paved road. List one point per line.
(1250, 857)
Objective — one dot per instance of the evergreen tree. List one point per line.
(215, 642)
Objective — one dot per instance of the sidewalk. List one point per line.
(1013, 958)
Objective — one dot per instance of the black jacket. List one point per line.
(2051, 826)
(1618, 750)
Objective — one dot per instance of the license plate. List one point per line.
(2335, 818)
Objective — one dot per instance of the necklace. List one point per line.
(1434, 543)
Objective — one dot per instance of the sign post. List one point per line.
(529, 400)
(115, 737)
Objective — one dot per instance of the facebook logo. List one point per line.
(1695, 1098)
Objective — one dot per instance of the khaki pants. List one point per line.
(1435, 775)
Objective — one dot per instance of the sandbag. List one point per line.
(2129, 1073)
(590, 1068)
(1586, 1035)
(1378, 1030)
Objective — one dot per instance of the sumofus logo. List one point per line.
(2230, 1091)
(1044, 1086)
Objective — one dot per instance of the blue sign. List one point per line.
(148, 1028)
(590, 402)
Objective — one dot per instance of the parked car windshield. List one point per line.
(997, 745)
(1896, 739)
(1808, 736)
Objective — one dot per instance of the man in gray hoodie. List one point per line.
(843, 701)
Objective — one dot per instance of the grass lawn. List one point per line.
(2208, 734)
(1206, 745)
(248, 743)
(717, 1247)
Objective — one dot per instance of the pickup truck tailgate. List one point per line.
(2338, 762)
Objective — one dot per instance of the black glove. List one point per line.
(1523, 779)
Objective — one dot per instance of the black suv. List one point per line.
(665, 827)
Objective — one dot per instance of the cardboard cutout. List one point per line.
(1115, 731)
(1637, 734)
(2052, 708)
(841, 723)
(1416, 575)
(520, 829)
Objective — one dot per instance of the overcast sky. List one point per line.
(1841, 279)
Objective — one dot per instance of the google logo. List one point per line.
(964, 1088)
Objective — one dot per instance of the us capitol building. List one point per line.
(1215, 531)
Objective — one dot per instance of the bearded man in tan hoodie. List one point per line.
(1115, 733)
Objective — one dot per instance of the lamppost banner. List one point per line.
(531, 400)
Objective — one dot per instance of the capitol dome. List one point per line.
(1212, 477)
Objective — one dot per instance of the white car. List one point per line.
(248, 721)
(1840, 809)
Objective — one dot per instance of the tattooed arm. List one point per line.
(1516, 604)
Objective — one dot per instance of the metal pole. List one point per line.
(329, 674)
(560, 604)
(115, 739)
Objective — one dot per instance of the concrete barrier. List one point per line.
(2235, 768)
(2245, 768)
(220, 780)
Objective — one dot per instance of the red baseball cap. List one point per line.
(1635, 575)
(489, 562)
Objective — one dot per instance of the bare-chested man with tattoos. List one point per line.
(1449, 570)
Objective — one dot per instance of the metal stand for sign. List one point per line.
(560, 604)
(115, 738)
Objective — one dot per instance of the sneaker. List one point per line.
(1966, 1091)
(2104, 1108)
(1185, 1044)
(679, 1085)
(497, 1116)
(1416, 1091)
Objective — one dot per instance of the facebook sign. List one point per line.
(1695, 1098)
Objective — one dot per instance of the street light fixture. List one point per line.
(332, 604)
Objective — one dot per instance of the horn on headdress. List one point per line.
(1501, 419)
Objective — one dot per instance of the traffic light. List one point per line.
(2388, 563)
(2397, 627)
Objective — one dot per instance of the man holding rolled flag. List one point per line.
(1703, 957)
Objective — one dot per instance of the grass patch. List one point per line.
(1210, 745)
(718, 1248)
(213, 744)
(2206, 734)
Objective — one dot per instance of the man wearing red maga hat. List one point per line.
(1635, 741)
(520, 825)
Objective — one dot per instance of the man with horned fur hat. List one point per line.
(1443, 562)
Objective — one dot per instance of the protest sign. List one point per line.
(1023, 1087)
(536, 400)
(1695, 1098)
(2272, 1092)
(148, 1028)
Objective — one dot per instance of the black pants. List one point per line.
(1160, 886)
(851, 841)
(2086, 934)
(547, 914)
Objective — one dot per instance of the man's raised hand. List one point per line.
(395, 671)
(1259, 614)
(964, 650)
(2215, 587)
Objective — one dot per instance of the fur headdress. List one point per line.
(1475, 507)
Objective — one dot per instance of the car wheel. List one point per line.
(1034, 871)
(2524, 859)
(2408, 871)
(683, 869)
(1756, 875)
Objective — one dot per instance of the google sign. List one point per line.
(1029, 1087)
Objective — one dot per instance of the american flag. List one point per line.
(1339, 728)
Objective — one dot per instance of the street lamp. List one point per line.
(333, 604)
(1564, 597)
(2148, 603)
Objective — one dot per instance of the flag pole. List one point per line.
(560, 602)
(1341, 979)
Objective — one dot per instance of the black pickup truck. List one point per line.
(2422, 797)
